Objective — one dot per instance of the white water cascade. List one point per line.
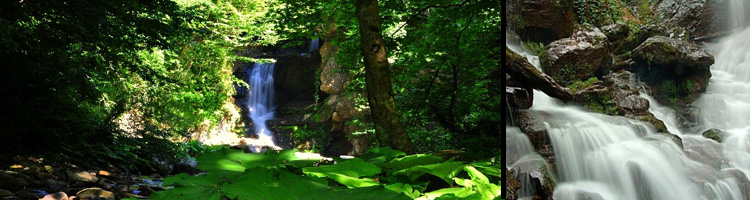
(605, 157)
(260, 100)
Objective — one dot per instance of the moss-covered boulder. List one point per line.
(677, 71)
(714, 134)
(578, 57)
(541, 20)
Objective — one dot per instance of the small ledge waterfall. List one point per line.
(260, 100)
(314, 45)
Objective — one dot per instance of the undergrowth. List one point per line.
(381, 173)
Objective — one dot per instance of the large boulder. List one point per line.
(699, 18)
(541, 20)
(578, 57)
(677, 70)
(617, 94)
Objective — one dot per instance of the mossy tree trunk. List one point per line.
(389, 130)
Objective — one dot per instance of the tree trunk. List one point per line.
(388, 128)
(517, 66)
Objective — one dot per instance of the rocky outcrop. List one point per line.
(541, 20)
(699, 18)
(677, 71)
(339, 107)
(639, 36)
(578, 57)
(529, 76)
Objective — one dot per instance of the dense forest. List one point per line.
(250, 99)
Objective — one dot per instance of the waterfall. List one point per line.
(314, 44)
(726, 103)
(260, 99)
(611, 157)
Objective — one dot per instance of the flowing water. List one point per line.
(314, 45)
(260, 99)
(606, 157)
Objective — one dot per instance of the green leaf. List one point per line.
(445, 171)
(347, 172)
(476, 175)
(411, 161)
(404, 188)
(224, 162)
(363, 193)
(190, 187)
(263, 183)
(381, 155)
(352, 167)
(454, 193)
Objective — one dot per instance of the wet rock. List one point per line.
(55, 184)
(578, 57)
(82, 176)
(512, 185)
(532, 124)
(518, 95)
(95, 194)
(56, 196)
(541, 20)
(700, 18)
(519, 98)
(162, 166)
(616, 32)
(677, 55)
(649, 118)
(676, 70)
(14, 180)
(624, 89)
(537, 174)
(714, 134)
(639, 36)
(187, 165)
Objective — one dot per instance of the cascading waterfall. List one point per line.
(260, 99)
(600, 156)
(314, 45)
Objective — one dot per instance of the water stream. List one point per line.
(606, 157)
(260, 100)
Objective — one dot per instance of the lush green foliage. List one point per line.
(442, 51)
(79, 67)
(381, 173)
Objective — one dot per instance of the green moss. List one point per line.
(598, 12)
(579, 85)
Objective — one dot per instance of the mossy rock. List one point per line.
(714, 134)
